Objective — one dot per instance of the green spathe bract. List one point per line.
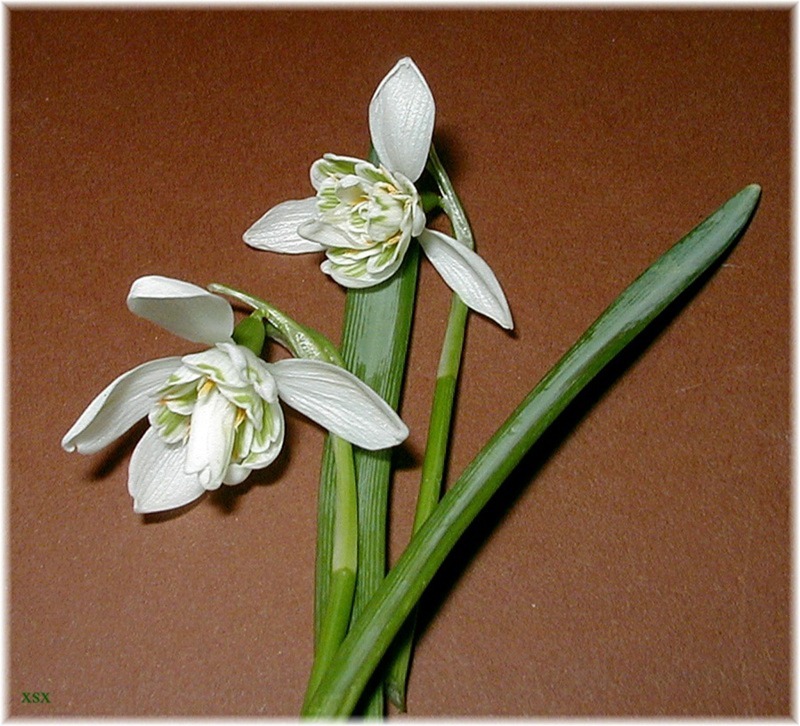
(632, 311)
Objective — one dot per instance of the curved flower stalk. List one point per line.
(364, 216)
(215, 416)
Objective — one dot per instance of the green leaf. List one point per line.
(374, 346)
(632, 311)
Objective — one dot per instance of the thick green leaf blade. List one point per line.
(377, 326)
(633, 310)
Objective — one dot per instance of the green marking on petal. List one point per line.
(252, 425)
(211, 371)
(369, 205)
(171, 427)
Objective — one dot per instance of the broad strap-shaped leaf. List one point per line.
(375, 335)
(182, 308)
(276, 231)
(401, 118)
(339, 401)
(126, 400)
(647, 297)
(468, 275)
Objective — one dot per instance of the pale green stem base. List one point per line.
(343, 563)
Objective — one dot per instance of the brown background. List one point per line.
(638, 561)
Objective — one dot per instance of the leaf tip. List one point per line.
(752, 190)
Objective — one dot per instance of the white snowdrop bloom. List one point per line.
(215, 416)
(363, 216)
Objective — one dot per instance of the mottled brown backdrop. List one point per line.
(637, 563)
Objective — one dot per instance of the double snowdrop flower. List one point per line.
(215, 416)
(364, 216)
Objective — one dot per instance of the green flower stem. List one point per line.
(341, 502)
(634, 309)
(326, 512)
(343, 564)
(450, 201)
(441, 413)
(439, 425)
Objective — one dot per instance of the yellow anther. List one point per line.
(240, 416)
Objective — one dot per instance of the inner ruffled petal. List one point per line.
(217, 365)
(211, 437)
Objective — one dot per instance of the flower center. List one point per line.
(222, 404)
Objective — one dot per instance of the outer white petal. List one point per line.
(276, 231)
(339, 401)
(468, 275)
(211, 435)
(401, 116)
(182, 308)
(120, 405)
(157, 478)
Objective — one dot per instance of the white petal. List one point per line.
(418, 221)
(157, 478)
(252, 369)
(276, 231)
(182, 308)
(261, 455)
(320, 168)
(236, 474)
(468, 275)
(120, 405)
(211, 435)
(401, 116)
(355, 283)
(338, 401)
(217, 365)
(336, 266)
(267, 441)
(326, 235)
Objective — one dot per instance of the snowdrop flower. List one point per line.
(215, 416)
(364, 216)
